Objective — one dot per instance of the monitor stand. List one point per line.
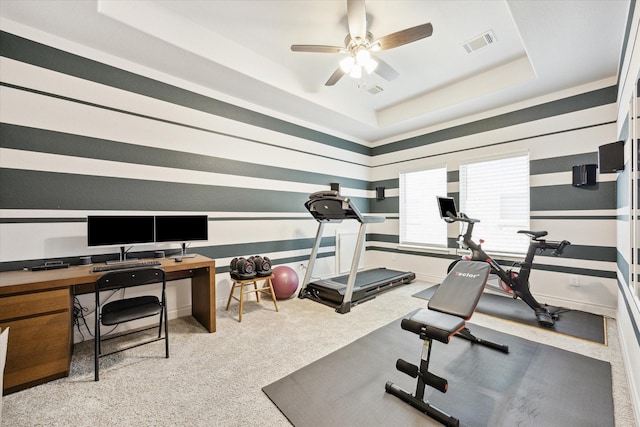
(183, 253)
(123, 257)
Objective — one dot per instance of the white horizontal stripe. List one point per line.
(17, 107)
(18, 159)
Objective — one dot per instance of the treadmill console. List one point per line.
(329, 206)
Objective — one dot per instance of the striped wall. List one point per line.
(79, 137)
(558, 133)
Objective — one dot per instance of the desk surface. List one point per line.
(19, 281)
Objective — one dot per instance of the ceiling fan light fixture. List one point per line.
(356, 72)
(369, 65)
(347, 64)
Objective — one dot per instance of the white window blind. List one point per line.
(497, 193)
(420, 222)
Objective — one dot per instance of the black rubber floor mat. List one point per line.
(576, 323)
(533, 385)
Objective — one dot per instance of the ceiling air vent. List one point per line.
(479, 42)
(374, 89)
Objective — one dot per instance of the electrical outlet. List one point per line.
(574, 280)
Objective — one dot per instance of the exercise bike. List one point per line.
(514, 283)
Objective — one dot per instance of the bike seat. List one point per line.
(534, 234)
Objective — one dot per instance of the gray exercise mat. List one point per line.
(533, 385)
(576, 323)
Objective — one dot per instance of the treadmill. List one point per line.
(358, 286)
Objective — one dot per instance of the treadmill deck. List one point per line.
(367, 285)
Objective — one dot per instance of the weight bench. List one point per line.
(451, 306)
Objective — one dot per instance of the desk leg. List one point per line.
(203, 297)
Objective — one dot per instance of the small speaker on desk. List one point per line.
(379, 193)
(335, 186)
(584, 175)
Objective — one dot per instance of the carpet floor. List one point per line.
(217, 379)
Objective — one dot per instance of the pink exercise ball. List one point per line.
(284, 282)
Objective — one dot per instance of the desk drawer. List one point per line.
(39, 350)
(31, 304)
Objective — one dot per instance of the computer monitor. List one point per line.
(447, 204)
(119, 230)
(182, 229)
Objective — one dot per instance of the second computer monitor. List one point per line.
(182, 228)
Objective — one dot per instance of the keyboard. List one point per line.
(124, 266)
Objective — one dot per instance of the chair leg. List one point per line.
(96, 352)
(166, 331)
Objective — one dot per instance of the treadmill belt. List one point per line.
(368, 283)
(369, 277)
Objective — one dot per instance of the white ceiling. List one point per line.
(241, 50)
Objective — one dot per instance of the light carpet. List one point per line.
(217, 379)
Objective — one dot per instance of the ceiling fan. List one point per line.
(359, 43)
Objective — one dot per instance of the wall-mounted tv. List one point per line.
(611, 157)
(118, 230)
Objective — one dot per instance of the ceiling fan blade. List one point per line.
(405, 36)
(385, 70)
(317, 48)
(357, 19)
(337, 75)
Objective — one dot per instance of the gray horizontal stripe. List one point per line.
(8, 220)
(561, 164)
(579, 102)
(45, 141)
(575, 217)
(32, 220)
(21, 189)
(387, 238)
(568, 197)
(30, 52)
(46, 190)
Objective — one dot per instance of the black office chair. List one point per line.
(129, 309)
(453, 303)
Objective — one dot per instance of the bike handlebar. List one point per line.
(560, 248)
(462, 218)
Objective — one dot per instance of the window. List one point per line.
(420, 222)
(497, 193)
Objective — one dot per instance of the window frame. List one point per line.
(516, 250)
(430, 202)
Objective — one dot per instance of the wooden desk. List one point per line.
(38, 307)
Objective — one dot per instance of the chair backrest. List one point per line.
(461, 290)
(131, 277)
